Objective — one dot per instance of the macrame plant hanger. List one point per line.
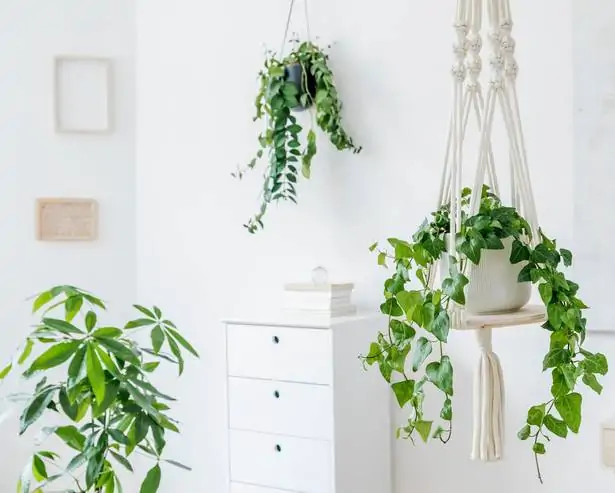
(469, 98)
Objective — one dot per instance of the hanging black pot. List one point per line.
(305, 83)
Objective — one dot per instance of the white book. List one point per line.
(300, 301)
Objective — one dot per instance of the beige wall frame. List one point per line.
(98, 98)
(66, 219)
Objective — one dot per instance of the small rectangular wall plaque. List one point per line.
(61, 219)
(82, 94)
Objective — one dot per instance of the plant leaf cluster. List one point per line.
(97, 379)
(410, 353)
(282, 143)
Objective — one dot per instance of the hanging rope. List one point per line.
(469, 97)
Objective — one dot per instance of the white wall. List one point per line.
(197, 67)
(35, 162)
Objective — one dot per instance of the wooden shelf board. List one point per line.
(528, 315)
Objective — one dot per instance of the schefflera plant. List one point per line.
(97, 379)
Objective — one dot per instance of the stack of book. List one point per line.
(330, 300)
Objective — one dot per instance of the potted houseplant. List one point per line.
(419, 312)
(298, 81)
(97, 380)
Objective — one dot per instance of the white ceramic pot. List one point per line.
(493, 286)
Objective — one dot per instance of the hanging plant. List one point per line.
(299, 81)
(411, 352)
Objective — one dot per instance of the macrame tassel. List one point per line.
(488, 402)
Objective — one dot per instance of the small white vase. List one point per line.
(493, 286)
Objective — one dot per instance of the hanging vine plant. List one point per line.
(411, 352)
(301, 80)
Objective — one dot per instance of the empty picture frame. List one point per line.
(66, 219)
(83, 94)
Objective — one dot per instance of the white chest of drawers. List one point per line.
(303, 416)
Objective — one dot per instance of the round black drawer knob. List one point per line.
(278, 448)
(276, 394)
(276, 340)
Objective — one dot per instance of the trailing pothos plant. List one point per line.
(97, 379)
(411, 352)
(300, 80)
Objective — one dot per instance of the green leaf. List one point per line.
(596, 363)
(157, 336)
(539, 448)
(556, 357)
(409, 301)
(69, 409)
(526, 273)
(421, 353)
(151, 366)
(546, 292)
(567, 256)
(90, 320)
(403, 391)
(556, 426)
(402, 331)
(158, 433)
(441, 326)
(71, 436)
(96, 374)
(107, 332)
(122, 460)
(441, 374)
(93, 469)
(591, 381)
(35, 409)
(148, 313)
(118, 436)
(424, 429)
(524, 433)
(42, 299)
(54, 356)
(111, 391)
(120, 351)
(178, 464)
(519, 252)
(141, 322)
(392, 308)
(382, 259)
(569, 408)
(535, 415)
(7, 369)
(61, 326)
(183, 342)
(72, 306)
(39, 471)
(453, 287)
(447, 410)
(76, 368)
(177, 353)
(27, 351)
(373, 246)
(151, 481)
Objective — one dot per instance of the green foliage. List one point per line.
(281, 142)
(102, 390)
(411, 352)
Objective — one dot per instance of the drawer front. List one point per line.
(278, 353)
(295, 464)
(248, 488)
(297, 409)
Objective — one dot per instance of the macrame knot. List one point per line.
(474, 66)
(460, 50)
(459, 71)
(497, 63)
(461, 28)
(506, 25)
(475, 44)
(512, 69)
(508, 44)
